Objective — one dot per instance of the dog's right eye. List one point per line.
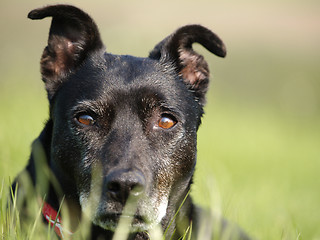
(86, 120)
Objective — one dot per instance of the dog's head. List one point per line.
(123, 125)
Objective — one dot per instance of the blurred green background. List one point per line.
(259, 145)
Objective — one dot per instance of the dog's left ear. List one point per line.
(191, 66)
(73, 37)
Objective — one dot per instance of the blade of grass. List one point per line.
(176, 214)
(123, 228)
(31, 235)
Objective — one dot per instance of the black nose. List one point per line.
(120, 184)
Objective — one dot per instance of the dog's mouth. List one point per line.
(139, 214)
(110, 221)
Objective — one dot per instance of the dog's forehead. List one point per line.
(126, 82)
(114, 76)
(123, 70)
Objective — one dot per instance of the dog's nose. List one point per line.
(120, 184)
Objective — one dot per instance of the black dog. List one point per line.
(122, 127)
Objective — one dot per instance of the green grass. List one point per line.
(33, 227)
(258, 148)
(265, 171)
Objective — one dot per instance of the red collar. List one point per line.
(54, 220)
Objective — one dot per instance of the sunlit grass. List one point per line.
(32, 227)
(265, 168)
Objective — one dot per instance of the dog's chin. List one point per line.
(110, 222)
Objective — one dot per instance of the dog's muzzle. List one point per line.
(123, 194)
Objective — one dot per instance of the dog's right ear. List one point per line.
(73, 36)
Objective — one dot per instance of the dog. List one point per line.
(120, 128)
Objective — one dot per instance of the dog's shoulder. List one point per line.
(209, 225)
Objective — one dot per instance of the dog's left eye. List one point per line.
(86, 120)
(167, 122)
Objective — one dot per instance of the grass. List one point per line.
(265, 173)
(258, 147)
(32, 226)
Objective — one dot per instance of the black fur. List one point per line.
(122, 150)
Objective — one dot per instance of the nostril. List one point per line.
(113, 187)
(121, 184)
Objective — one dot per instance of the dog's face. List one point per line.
(123, 126)
(117, 114)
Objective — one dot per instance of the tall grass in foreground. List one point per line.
(33, 227)
(10, 225)
(27, 207)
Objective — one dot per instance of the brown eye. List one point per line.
(86, 120)
(166, 122)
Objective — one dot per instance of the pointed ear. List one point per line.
(191, 66)
(73, 36)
